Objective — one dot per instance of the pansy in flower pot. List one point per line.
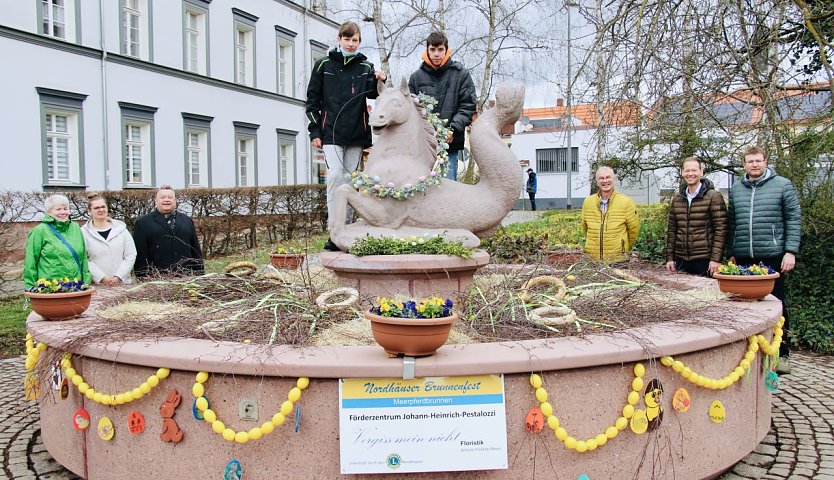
(59, 298)
(561, 254)
(752, 282)
(287, 257)
(413, 328)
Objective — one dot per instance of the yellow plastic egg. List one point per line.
(535, 380)
(601, 439)
(739, 371)
(294, 394)
(286, 408)
(70, 372)
(145, 388)
(686, 372)
(754, 346)
(136, 393)
(581, 446)
(83, 388)
(639, 370)
(750, 356)
(153, 381)
(541, 394)
(547, 409)
(637, 384)
(591, 443)
(218, 426)
(570, 442)
(255, 433)
(198, 389)
(553, 422)
(744, 363)
(202, 377)
(621, 423)
(278, 419)
(77, 379)
(633, 398)
(201, 403)
(241, 437)
(267, 428)
(163, 373)
(666, 361)
(228, 435)
(209, 415)
(611, 432)
(302, 383)
(628, 411)
(571, 277)
(97, 396)
(677, 365)
(561, 434)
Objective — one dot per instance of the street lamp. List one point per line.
(568, 203)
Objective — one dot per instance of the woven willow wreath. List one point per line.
(561, 289)
(322, 300)
(553, 316)
(240, 269)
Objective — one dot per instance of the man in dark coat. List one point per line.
(450, 84)
(697, 224)
(166, 240)
(531, 188)
(765, 226)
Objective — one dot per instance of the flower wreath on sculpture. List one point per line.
(375, 186)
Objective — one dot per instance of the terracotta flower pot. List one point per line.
(410, 336)
(60, 306)
(746, 287)
(287, 261)
(561, 257)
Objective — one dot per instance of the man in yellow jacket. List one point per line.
(609, 220)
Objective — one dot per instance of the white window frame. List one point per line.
(138, 118)
(287, 154)
(244, 48)
(140, 10)
(246, 154)
(59, 19)
(557, 164)
(284, 61)
(195, 45)
(54, 104)
(200, 125)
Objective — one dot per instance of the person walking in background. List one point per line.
(697, 224)
(340, 85)
(55, 247)
(531, 188)
(109, 245)
(451, 85)
(609, 220)
(166, 240)
(765, 227)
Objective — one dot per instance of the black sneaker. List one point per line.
(329, 245)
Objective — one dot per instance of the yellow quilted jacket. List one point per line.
(610, 237)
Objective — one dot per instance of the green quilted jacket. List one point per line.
(764, 217)
(47, 257)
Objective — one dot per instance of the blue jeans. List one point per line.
(452, 173)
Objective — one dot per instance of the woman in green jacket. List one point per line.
(55, 247)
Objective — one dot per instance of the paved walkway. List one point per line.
(800, 444)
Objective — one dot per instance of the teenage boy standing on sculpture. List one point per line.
(340, 84)
(450, 84)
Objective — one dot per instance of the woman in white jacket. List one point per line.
(109, 245)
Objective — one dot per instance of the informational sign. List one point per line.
(431, 424)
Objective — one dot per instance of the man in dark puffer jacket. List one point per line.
(450, 84)
(765, 226)
(697, 224)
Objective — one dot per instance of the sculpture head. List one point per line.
(393, 107)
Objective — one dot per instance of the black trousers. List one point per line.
(778, 292)
(532, 200)
(695, 267)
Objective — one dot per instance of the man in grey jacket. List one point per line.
(765, 226)
(451, 85)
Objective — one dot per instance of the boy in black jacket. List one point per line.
(340, 84)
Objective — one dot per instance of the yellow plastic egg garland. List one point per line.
(717, 413)
(245, 436)
(597, 441)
